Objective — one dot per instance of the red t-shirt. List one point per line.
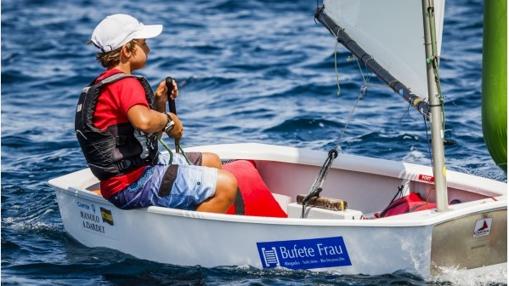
(112, 106)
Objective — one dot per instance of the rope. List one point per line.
(167, 149)
(362, 92)
(317, 186)
(178, 149)
(338, 91)
(364, 80)
(171, 105)
(426, 129)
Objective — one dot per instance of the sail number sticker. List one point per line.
(304, 253)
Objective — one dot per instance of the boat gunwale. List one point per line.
(347, 162)
(354, 163)
(434, 217)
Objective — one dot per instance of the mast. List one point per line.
(435, 104)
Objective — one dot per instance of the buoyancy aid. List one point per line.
(411, 203)
(120, 148)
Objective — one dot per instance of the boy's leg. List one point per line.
(194, 187)
(226, 186)
(211, 160)
(226, 191)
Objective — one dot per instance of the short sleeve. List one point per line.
(131, 93)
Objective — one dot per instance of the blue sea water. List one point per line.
(249, 71)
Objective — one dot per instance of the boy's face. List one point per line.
(140, 54)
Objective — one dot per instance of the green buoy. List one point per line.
(494, 80)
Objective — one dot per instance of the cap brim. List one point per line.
(148, 31)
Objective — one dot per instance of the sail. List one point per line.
(391, 33)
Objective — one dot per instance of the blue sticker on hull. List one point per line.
(304, 253)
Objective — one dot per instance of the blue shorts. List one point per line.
(177, 185)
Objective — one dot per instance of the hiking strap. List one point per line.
(239, 203)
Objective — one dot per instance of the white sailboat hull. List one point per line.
(347, 246)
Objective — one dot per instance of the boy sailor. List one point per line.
(118, 122)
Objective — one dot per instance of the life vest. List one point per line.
(407, 204)
(120, 148)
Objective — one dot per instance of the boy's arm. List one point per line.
(152, 121)
(155, 120)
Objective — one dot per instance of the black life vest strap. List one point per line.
(125, 165)
(114, 78)
(106, 81)
(87, 113)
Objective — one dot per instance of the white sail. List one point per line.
(392, 32)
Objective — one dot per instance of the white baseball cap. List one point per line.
(116, 30)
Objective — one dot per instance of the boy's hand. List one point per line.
(161, 92)
(178, 129)
(175, 92)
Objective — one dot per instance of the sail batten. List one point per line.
(387, 36)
